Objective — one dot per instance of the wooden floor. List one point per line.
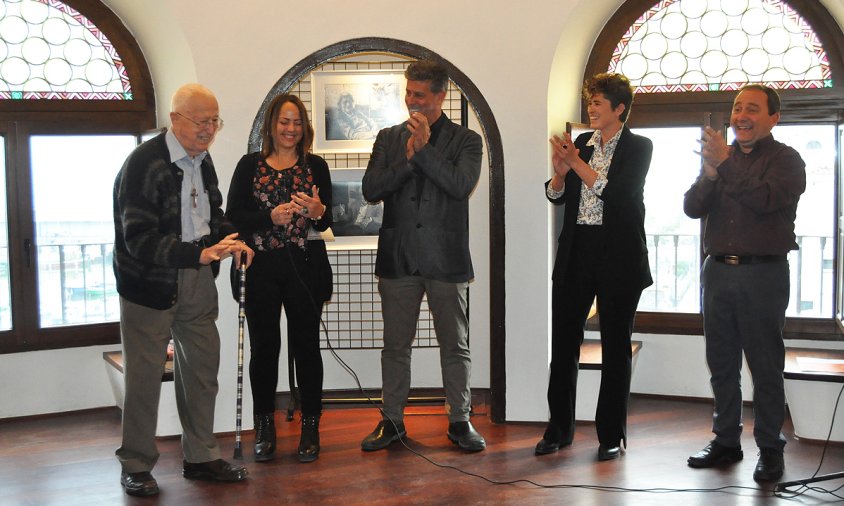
(69, 460)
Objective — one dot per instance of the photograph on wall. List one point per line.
(350, 107)
(353, 215)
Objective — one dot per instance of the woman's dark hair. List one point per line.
(614, 87)
(271, 119)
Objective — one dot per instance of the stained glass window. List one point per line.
(711, 45)
(48, 50)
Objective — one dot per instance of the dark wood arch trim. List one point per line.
(496, 177)
(137, 114)
(687, 107)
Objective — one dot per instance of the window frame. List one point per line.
(20, 119)
(824, 105)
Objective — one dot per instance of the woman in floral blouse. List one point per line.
(279, 199)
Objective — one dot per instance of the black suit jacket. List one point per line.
(427, 231)
(624, 211)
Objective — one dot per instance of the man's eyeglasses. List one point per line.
(215, 123)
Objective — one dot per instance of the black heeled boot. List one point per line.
(309, 441)
(264, 437)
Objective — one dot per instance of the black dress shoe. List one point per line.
(715, 454)
(465, 436)
(139, 484)
(264, 437)
(609, 452)
(384, 434)
(770, 465)
(552, 440)
(308, 450)
(216, 470)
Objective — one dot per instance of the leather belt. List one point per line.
(749, 259)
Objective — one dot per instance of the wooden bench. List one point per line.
(811, 392)
(168, 416)
(589, 378)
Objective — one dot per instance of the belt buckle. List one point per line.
(731, 259)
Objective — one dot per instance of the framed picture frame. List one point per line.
(353, 216)
(351, 106)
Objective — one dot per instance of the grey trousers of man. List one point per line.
(145, 333)
(744, 310)
(400, 302)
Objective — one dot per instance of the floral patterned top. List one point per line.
(591, 210)
(272, 187)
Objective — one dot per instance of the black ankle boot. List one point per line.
(309, 441)
(264, 437)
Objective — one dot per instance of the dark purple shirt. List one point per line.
(750, 208)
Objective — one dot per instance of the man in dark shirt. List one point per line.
(747, 195)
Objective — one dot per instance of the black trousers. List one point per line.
(571, 298)
(280, 279)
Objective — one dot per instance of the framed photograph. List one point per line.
(351, 106)
(353, 215)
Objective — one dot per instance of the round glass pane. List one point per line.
(36, 85)
(797, 60)
(58, 72)
(35, 50)
(653, 79)
(776, 40)
(755, 61)
(34, 12)
(633, 66)
(734, 42)
(693, 44)
(776, 74)
(56, 31)
(693, 9)
(714, 63)
(77, 52)
(13, 29)
(79, 86)
(734, 7)
(654, 46)
(673, 25)
(14, 71)
(673, 65)
(714, 24)
(755, 21)
(98, 72)
(734, 76)
(4, 50)
(694, 77)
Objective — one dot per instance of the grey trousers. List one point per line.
(744, 310)
(145, 333)
(400, 302)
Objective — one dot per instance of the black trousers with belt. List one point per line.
(571, 299)
(276, 279)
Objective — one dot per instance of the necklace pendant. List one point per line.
(193, 195)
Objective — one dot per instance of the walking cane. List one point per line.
(241, 315)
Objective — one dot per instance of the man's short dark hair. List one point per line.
(774, 105)
(614, 87)
(428, 70)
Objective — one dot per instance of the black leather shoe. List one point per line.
(465, 436)
(770, 465)
(139, 484)
(264, 437)
(607, 452)
(308, 450)
(552, 440)
(715, 454)
(384, 434)
(216, 470)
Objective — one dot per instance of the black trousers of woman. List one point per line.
(571, 298)
(272, 282)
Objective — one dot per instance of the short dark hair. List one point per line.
(271, 118)
(428, 70)
(774, 104)
(614, 87)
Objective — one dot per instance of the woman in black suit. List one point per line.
(278, 199)
(600, 178)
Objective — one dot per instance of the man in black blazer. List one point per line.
(424, 170)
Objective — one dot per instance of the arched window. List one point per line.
(75, 94)
(686, 59)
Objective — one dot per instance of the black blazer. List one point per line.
(430, 236)
(624, 211)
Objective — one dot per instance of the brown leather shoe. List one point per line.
(216, 470)
(715, 454)
(139, 484)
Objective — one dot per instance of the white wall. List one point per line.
(527, 60)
